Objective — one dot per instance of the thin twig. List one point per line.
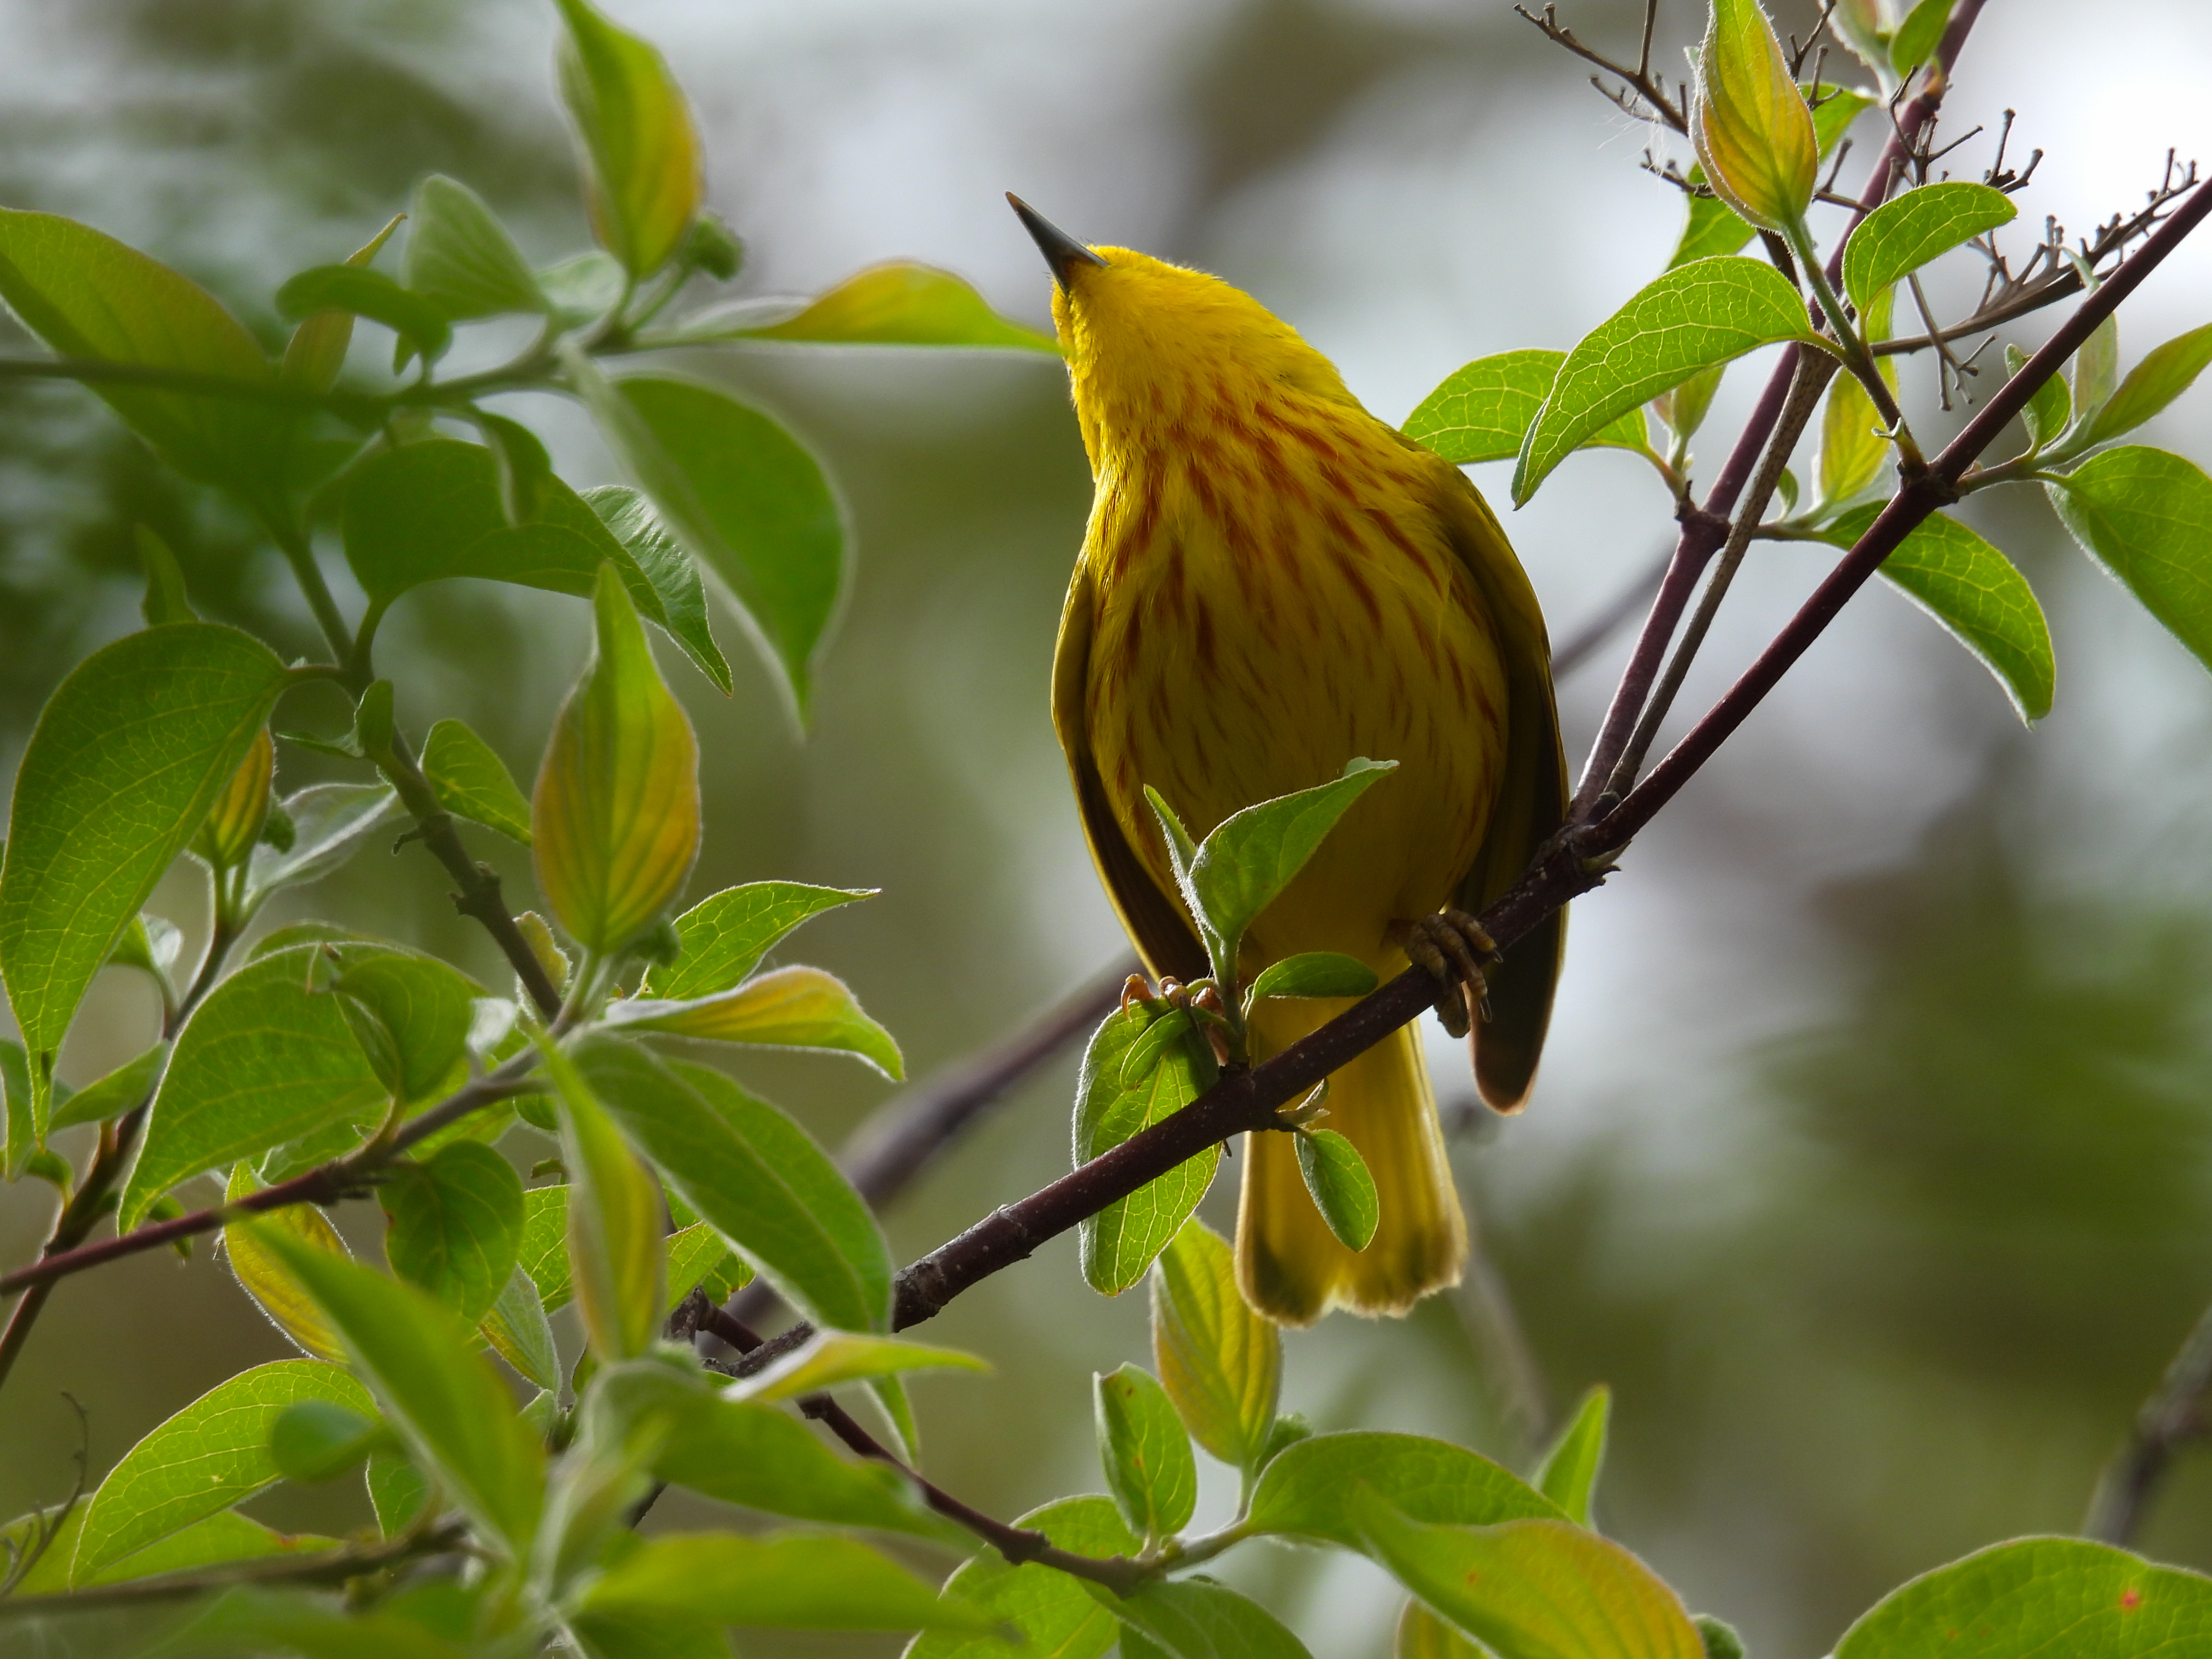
(1019, 1545)
(321, 1567)
(2171, 1418)
(326, 1183)
(1635, 83)
(1814, 369)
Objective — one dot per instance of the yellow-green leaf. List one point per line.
(1221, 1364)
(645, 179)
(1530, 1587)
(1568, 1474)
(273, 1287)
(794, 1007)
(317, 350)
(615, 821)
(829, 1358)
(226, 835)
(1748, 122)
(617, 1257)
(902, 303)
(1901, 236)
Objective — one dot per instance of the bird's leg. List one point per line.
(1452, 947)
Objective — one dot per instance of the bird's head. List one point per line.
(1151, 345)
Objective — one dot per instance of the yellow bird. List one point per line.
(1272, 582)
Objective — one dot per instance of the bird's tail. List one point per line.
(1290, 1267)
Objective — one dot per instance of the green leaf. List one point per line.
(1342, 1189)
(645, 183)
(456, 1224)
(616, 1256)
(448, 1406)
(1198, 1619)
(1146, 1455)
(614, 819)
(757, 1176)
(397, 1491)
(89, 296)
(104, 800)
(1221, 1364)
(525, 469)
(1532, 1589)
(699, 1258)
(471, 780)
(784, 1008)
(261, 1276)
(1978, 595)
(744, 496)
(459, 257)
(246, 1620)
(1250, 856)
(369, 294)
(1712, 227)
(2037, 1596)
(262, 1060)
(2095, 370)
(432, 511)
(517, 1329)
(1695, 316)
(725, 937)
(1569, 1473)
(630, 518)
(1119, 1243)
(902, 303)
(166, 600)
(790, 1583)
(1855, 448)
(2048, 408)
(125, 1087)
(1906, 233)
(2156, 382)
(1719, 1637)
(1482, 412)
(1422, 1635)
(15, 1094)
(829, 1358)
(317, 350)
(410, 1012)
(1055, 1613)
(583, 288)
(1917, 36)
(543, 1250)
(315, 1440)
(2145, 515)
(1304, 1491)
(330, 822)
(761, 1457)
(211, 1455)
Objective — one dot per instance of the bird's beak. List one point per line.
(1062, 253)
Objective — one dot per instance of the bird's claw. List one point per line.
(1452, 947)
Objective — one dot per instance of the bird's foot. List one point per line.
(1452, 948)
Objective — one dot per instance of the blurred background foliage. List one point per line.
(1873, 1164)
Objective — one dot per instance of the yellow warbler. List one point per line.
(1275, 581)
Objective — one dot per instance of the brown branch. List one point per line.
(326, 1183)
(2171, 1418)
(1019, 1545)
(1936, 486)
(479, 897)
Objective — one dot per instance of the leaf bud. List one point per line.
(1748, 121)
(234, 822)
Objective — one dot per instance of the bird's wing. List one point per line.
(1532, 799)
(1166, 941)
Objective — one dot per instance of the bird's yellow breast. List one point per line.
(1275, 593)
